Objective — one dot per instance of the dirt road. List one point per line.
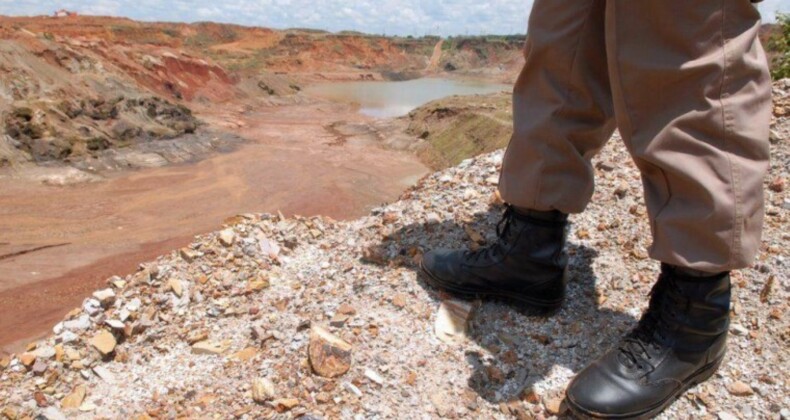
(57, 244)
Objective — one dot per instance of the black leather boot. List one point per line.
(679, 342)
(526, 265)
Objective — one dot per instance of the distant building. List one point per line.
(64, 13)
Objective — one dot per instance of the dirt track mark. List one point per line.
(433, 64)
(28, 251)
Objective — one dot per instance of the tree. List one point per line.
(780, 44)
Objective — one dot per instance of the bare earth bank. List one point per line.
(60, 243)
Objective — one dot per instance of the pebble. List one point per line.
(79, 324)
(91, 306)
(115, 324)
(105, 297)
(262, 390)
(53, 413)
(188, 255)
(442, 403)
(373, 376)
(352, 389)
(27, 359)
(746, 411)
(45, 352)
(104, 342)
(134, 305)
(39, 367)
(75, 398)
(738, 329)
(67, 337)
(329, 355)
(556, 406)
(285, 404)
(452, 320)
(104, 373)
(176, 287)
(740, 389)
(723, 415)
(210, 347)
(227, 237)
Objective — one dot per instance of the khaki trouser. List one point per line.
(686, 83)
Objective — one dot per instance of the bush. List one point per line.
(780, 45)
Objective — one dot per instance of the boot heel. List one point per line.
(706, 372)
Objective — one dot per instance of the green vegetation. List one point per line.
(172, 33)
(779, 44)
(461, 127)
(211, 34)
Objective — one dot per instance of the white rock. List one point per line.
(134, 305)
(452, 320)
(104, 373)
(267, 247)
(123, 315)
(469, 194)
(68, 337)
(45, 352)
(227, 237)
(53, 413)
(80, 324)
(738, 329)
(352, 389)
(105, 297)
(86, 407)
(373, 376)
(433, 218)
(723, 415)
(115, 324)
(91, 306)
(262, 390)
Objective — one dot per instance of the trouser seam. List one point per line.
(568, 87)
(727, 117)
(623, 118)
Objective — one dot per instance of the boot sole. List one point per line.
(701, 375)
(522, 301)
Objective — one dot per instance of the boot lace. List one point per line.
(504, 233)
(650, 333)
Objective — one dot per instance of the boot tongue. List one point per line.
(504, 233)
(638, 346)
(635, 350)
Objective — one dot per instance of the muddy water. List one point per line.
(394, 99)
(58, 244)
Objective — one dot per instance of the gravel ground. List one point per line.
(222, 328)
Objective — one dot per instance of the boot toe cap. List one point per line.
(604, 392)
(441, 264)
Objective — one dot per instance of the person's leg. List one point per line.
(563, 114)
(692, 99)
(692, 94)
(562, 108)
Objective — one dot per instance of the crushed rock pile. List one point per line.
(307, 317)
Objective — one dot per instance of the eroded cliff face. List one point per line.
(64, 96)
(75, 86)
